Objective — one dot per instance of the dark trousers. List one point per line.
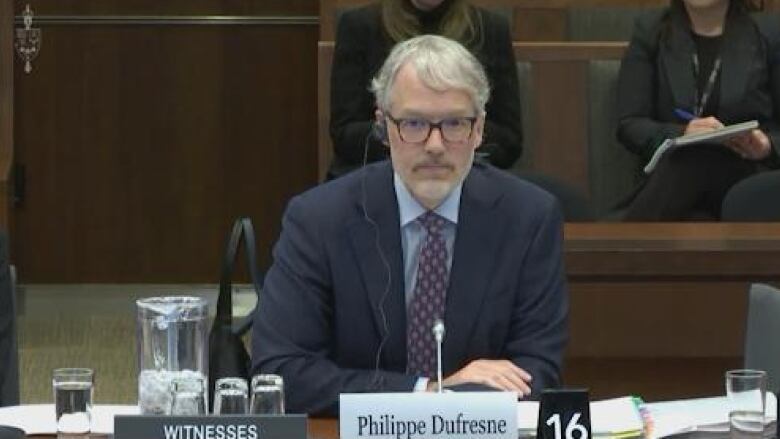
(689, 183)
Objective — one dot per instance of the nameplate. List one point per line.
(211, 427)
(425, 415)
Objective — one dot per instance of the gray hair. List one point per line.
(441, 64)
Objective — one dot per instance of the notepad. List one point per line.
(714, 136)
(613, 418)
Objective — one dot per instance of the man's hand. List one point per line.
(702, 125)
(499, 374)
(754, 145)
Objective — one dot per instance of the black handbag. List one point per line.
(228, 356)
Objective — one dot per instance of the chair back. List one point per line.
(753, 199)
(762, 349)
(526, 98)
(9, 351)
(614, 171)
(574, 205)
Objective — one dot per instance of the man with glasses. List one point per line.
(366, 265)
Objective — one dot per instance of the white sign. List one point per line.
(423, 415)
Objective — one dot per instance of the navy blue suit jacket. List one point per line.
(336, 288)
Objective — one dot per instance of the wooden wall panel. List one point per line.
(532, 20)
(142, 143)
(6, 108)
(561, 125)
(175, 7)
(656, 379)
(657, 319)
(539, 24)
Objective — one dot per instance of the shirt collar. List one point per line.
(410, 209)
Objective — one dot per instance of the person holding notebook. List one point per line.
(694, 67)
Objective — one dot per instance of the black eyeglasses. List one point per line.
(417, 130)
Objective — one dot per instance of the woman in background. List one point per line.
(694, 67)
(364, 38)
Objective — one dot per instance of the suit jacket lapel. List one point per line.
(737, 52)
(676, 54)
(476, 243)
(385, 290)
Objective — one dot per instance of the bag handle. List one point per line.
(241, 227)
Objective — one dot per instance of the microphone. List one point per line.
(438, 334)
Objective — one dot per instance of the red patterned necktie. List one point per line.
(427, 304)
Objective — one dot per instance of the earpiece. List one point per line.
(379, 131)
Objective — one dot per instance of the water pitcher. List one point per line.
(172, 337)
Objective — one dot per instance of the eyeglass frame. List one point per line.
(431, 125)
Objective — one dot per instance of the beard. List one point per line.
(432, 192)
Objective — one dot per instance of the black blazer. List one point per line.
(335, 290)
(361, 48)
(656, 76)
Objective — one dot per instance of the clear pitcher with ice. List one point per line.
(172, 337)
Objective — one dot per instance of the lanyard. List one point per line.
(701, 101)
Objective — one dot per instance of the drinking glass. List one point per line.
(746, 394)
(73, 399)
(188, 397)
(267, 395)
(231, 397)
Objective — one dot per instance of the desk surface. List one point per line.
(323, 429)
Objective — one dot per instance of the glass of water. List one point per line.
(73, 399)
(231, 397)
(188, 397)
(267, 395)
(746, 394)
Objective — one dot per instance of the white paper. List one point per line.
(701, 414)
(39, 418)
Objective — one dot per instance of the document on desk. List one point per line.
(701, 415)
(39, 418)
(615, 418)
(714, 136)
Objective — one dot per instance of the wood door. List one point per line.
(146, 127)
